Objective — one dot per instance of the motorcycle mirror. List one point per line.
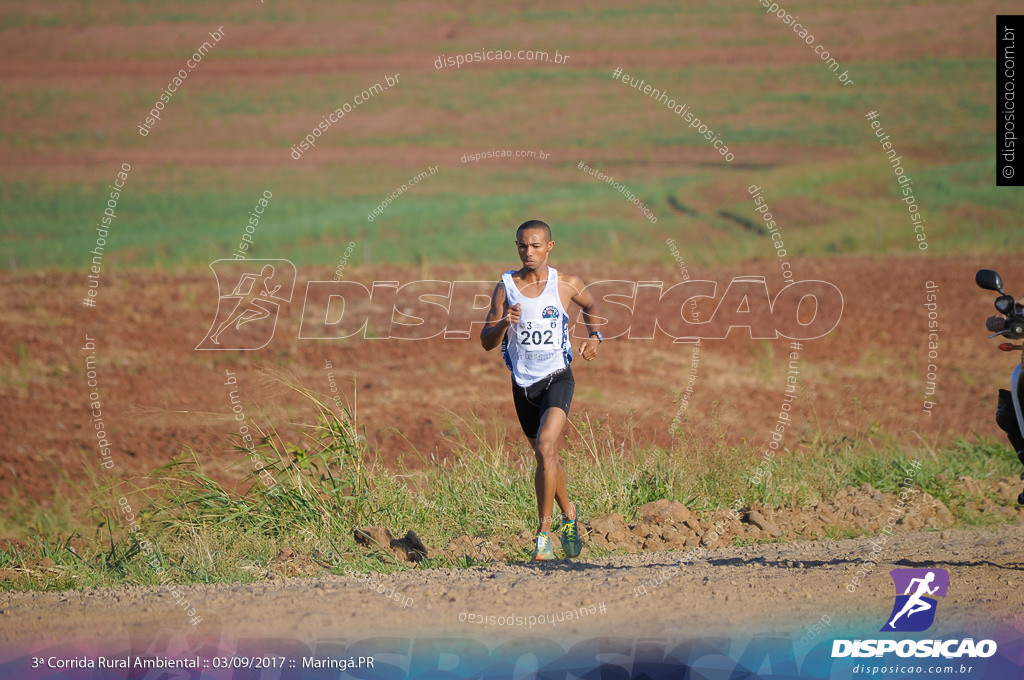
(989, 280)
(1004, 304)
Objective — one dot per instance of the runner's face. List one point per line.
(533, 248)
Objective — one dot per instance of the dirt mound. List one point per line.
(856, 510)
(409, 548)
(669, 525)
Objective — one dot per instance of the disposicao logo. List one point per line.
(249, 292)
(914, 611)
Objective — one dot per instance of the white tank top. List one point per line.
(539, 344)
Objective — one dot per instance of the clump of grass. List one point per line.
(310, 497)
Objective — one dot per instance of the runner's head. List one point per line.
(533, 239)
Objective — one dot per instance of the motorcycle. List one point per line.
(1009, 413)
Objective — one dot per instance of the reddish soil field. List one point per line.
(416, 400)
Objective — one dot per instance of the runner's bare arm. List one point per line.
(499, 317)
(588, 303)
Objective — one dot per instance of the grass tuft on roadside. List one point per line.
(305, 501)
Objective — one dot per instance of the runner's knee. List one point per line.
(546, 450)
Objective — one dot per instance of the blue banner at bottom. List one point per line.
(454, 658)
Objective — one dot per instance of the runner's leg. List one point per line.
(232, 317)
(256, 312)
(549, 478)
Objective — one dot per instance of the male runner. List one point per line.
(528, 319)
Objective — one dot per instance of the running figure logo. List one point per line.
(914, 610)
(253, 303)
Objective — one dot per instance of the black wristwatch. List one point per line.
(600, 338)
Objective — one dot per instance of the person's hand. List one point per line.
(514, 312)
(588, 348)
(995, 323)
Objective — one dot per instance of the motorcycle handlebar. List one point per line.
(1014, 329)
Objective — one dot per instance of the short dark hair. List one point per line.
(534, 224)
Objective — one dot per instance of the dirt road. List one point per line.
(777, 589)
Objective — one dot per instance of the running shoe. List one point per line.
(572, 544)
(543, 551)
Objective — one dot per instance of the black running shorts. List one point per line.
(531, 402)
